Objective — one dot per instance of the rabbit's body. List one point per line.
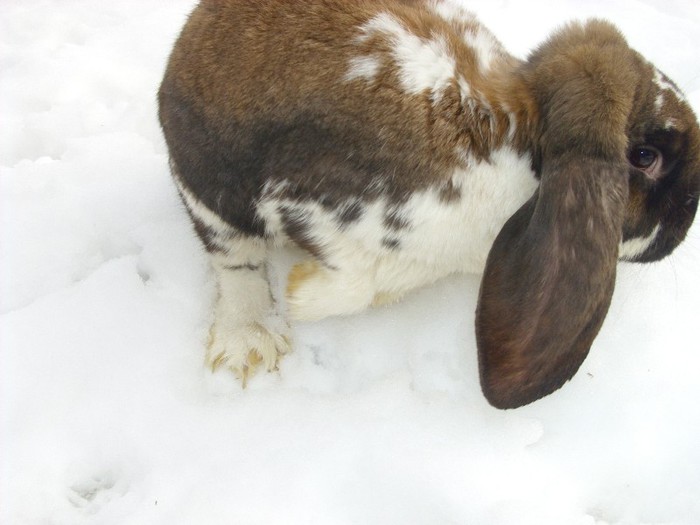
(386, 247)
(393, 141)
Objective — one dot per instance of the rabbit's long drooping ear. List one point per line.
(550, 274)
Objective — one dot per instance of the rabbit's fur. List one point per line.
(398, 142)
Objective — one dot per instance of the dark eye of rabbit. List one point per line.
(643, 157)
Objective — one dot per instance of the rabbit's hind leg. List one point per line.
(318, 289)
(354, 281)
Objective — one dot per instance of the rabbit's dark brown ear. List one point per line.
(550, 275)
(548, 282)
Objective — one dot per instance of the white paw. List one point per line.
(244, 348)
(315, 292)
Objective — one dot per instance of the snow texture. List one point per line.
(108, 415)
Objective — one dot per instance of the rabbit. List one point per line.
(398, 142)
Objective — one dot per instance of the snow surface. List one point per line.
(109, 416)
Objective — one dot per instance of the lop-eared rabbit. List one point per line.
(397, 142)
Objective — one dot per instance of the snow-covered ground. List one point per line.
(108, 415)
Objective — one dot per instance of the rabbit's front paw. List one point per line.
(244, 348)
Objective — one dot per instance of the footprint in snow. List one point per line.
(92, 494)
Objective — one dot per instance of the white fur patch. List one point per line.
(452, 11)
(512, 122)
(487, 48)
(633, 248)
(665, 85)
(485, 45)
(659, 101)
(464, 89)
(363, 67)
(423, 64)
(459, 234)
(381, 23)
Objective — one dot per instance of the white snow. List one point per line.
(108, 416)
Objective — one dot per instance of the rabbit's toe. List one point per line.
(244, 349)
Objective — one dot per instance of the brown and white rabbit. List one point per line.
(397, 142)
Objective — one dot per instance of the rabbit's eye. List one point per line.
(644, 157)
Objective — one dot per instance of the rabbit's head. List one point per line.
(617, 149)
